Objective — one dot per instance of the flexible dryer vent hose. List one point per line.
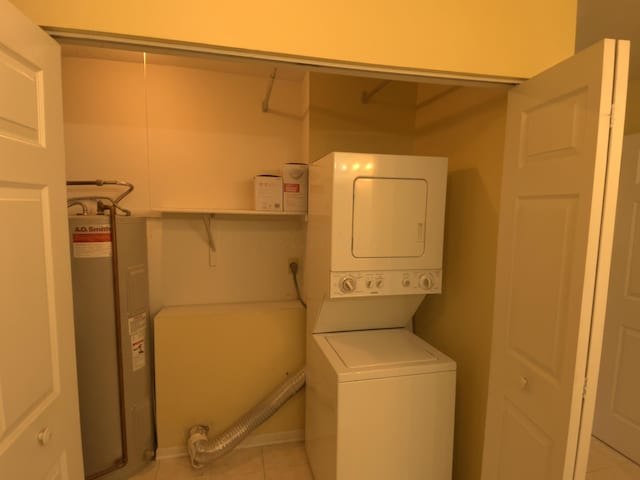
(202, 450)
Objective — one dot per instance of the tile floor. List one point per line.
(287, 461)
(607, 464)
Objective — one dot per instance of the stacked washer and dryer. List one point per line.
(380, 400)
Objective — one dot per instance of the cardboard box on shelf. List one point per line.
(295, 179)
(268, 193)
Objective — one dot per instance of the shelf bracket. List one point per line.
(267, 97)
(209, 226)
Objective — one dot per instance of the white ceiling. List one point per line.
(599, 19)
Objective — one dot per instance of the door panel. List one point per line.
(59, 470)
(20, 97)
(39, 425)
(528, 452)
(536, 325)
(633, 241)
(556, 160)
(26, 329)
(542, 143)
(617, 417)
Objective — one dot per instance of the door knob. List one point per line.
(44, 436)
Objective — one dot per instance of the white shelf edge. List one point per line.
(215, 211)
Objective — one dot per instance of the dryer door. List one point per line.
(389, 217)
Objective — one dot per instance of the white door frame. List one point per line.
(604, 269)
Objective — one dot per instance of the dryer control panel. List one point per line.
(389, 282)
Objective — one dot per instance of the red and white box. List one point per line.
(295, 183)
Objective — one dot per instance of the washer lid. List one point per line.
(372, 354)
(379, 348)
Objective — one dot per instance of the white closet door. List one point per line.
(617, 419)
(39, 424)
(550, 237)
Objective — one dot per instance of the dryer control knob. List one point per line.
(347, 284)
(406, 282)
(426, 281)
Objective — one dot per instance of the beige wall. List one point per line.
(206, 140)
(466, 125)
(214, 363)
(340, 122)
(190, 137)
(497, 37)
(188, 133)
(208, 135)
(632, 121)
(105, 125)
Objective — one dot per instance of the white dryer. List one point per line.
(379, 400)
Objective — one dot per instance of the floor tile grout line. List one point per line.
(263, 451)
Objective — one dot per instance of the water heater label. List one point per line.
(137, 329)
(92, 241)
(138, 323)
(138, 348)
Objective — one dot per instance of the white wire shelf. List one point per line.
(219, 211)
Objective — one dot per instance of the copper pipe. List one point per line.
(102, 183)
(121, 462)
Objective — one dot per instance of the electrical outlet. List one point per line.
(297, 262)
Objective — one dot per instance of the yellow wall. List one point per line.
(189, 136)
(466, 125)
(188, 133)
(105, 125)
(214, 130)
(498, 37)
(214, 363)
(340, 122)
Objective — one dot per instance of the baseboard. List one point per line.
(249, 442)
(272, 438)
(170, 452)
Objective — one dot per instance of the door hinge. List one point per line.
(584, 388)
(612, 115)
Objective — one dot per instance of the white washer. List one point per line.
(380, 406)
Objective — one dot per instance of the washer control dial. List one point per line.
(426, 281)
(347, 284)
(384, 283)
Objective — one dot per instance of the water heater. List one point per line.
(112, 328)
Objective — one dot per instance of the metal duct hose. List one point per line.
(202, 450)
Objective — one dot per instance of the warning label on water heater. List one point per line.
(138, 358)
(137, 329)
(92, 241)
